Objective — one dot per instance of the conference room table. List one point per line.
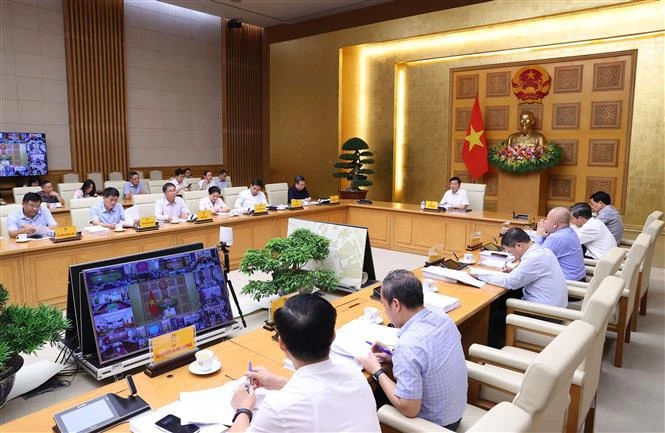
(258, 347)
(37, 271)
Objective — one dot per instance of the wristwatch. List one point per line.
(242, 410)
(378, 374)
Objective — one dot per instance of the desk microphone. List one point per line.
(132, 386)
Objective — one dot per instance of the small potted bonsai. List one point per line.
(285, 259)
(24, 329)
(353, 158)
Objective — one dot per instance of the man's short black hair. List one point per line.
(257, 182)
(298, 179)
(404, 286)
(132, 174)
(459, 181)
(167, 185)
(222, 171)
(206, 171)
(581, 209)
(514, 235)
(306, 325)
(44, 182)
(110, 192)
(32, 196)
(601, 196)
(179, 172)
(213, 189)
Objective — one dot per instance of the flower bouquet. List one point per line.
(523, 158)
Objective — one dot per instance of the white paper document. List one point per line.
(95, 229)
(351, 339)
(440, 303)
(483, 271)
(439, 273)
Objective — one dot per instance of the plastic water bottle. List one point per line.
(422, 205)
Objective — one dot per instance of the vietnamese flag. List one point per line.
(152, 304)
(474, 151)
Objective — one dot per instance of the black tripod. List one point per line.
(227, 267)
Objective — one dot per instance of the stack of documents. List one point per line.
(351, 339)
(452, 276)
(95, 229)
(440, 303)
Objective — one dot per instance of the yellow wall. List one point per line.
(320, 98)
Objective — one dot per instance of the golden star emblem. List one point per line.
(474, 138)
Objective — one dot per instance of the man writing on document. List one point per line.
(320, 396)
(428, 361)
(455, 197)
(555, 233)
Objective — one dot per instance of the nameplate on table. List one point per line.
(147, 223)
(295, 204)
(64, 234)
(172, 345)
(203, 216)
(431, 206)
(334, 199)
(260, 209)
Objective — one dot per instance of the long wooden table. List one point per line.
(471, 318)
(37, 271)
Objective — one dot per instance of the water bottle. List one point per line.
(422, 205)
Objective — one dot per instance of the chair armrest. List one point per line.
(578, 377)
(626, 242)
(591, 262)
(487, 376)
(498, 357)
(393, 418)
(504, 417)
(576, 292)
(573, 283)
(536, 325)
(542, 309)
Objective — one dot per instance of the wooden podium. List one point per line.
(523, 193)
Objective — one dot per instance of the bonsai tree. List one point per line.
(353, 158)
(24, 329)
(285, 259)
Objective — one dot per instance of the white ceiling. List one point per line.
(267, 13)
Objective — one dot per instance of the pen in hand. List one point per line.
(380, 348)
(249, 379)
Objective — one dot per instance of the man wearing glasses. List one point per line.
(32, 219)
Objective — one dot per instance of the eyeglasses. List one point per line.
(32, 205)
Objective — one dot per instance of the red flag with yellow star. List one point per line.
(152, 304)
(474, 151)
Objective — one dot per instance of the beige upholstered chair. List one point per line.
(79, 211)
(140, 172)
(155, 175)
(145, 203)
(70, 178)
(192, 199)
(20, 191)
(231, 195)
(97, 178)
(155, 186)
(654, 230)
(117, 184)
(5, 211)
(116, 175)
(476, 193)
(504, 417)
(585, 382)
(653, 216)
(228, 179)
(277, 193)
(67, 190)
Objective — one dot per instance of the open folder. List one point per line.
(450, 275)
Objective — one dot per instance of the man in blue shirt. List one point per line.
(133, 186)
(601, 204)
(428, 360)
(32, 219)
(109, 212)
(555, 234)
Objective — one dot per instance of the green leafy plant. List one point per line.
(26, 329)
(352, 160)
(284, 259)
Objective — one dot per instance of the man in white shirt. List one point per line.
(320, 396)
(213, 202)
(596, 239)
(179, 181)
(170, 206)
(207, 181)
(455, 197)
(251, 196)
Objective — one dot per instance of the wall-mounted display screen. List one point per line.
(22, 154)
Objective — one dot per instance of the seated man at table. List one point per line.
(213, 202)
(133, 186)
(455, 197)
(207, 181)
(251, 196)
(109, 212)
(595, 237)
(427, 362)
(170, 206)
(48, 194)
(554, 233)
(179, 181)
(320, 396)
(221, 181)
(601, 204)
(32, 219)
(298, 190)
(537, 278)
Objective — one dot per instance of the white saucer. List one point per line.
(194, 368)
(467, 263)
(18, 241)
(118, 231)
(378, 319)
(174, 222)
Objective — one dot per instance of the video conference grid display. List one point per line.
(22, 154)
(133, 302)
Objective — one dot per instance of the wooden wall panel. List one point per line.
(242, 112)
(94, 44)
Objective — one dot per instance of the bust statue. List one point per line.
(526, 136)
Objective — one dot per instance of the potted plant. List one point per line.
(353, 158)
(24, 329)
(285, 260)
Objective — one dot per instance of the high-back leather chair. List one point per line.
(476, 194)
(155, 175)
(231, 195)
(5, 211)
(20, 191)
(277, 193)
(192, 199)
(79, 211)
(115, 175)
